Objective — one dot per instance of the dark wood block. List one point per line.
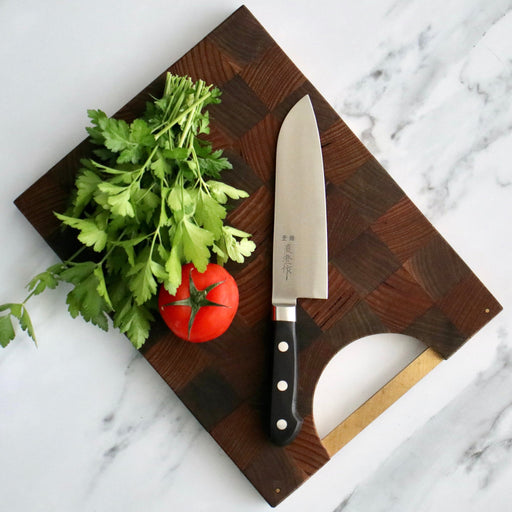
(399, 288)
(404, 229)
(342, 298)
(342, 152)
(366, 262)
(437, 267)
(371, 190)
(358, 322)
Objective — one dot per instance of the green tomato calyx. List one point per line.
(196, 300)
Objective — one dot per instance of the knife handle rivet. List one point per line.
(281, 424)
(283, 346)
(282, 385)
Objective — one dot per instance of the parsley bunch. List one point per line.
(149, 201)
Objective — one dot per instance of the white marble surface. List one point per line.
(87, 425)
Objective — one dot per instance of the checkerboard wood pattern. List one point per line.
(389, 269)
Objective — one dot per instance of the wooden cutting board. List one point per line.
(389, 269)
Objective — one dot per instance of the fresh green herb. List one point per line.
(149, 201)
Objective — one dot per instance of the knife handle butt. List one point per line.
(285, 422)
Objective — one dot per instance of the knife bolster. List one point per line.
(284, 313)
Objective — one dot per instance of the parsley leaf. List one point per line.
(7, 333)
(90, 235)
(84, 299)
(209, 213)
(130, 318)
(117, 134)
(18, 312)
(47, 279)
(86, 185)
(228, 247)
(221, 191)
(142, 283)
(195, 242)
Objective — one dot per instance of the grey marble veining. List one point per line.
(164, 419)
(456, 459)
(444, 65)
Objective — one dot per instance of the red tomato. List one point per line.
(204, 305)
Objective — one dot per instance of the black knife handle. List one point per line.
(285, 422)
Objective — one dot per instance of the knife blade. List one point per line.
(299, 261)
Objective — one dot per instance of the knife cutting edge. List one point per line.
(299, 264)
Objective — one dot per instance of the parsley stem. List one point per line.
(67, 262)
(193, 115)
(75, 255)
(182, 115)
(147, 162)
(28, 297)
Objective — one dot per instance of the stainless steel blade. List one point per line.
(300, 221)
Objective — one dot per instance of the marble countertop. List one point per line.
(87, 425)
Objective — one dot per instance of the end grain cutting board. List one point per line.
(389, 269)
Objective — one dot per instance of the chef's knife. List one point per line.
(299, 255)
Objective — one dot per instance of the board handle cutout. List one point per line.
(381, 400)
